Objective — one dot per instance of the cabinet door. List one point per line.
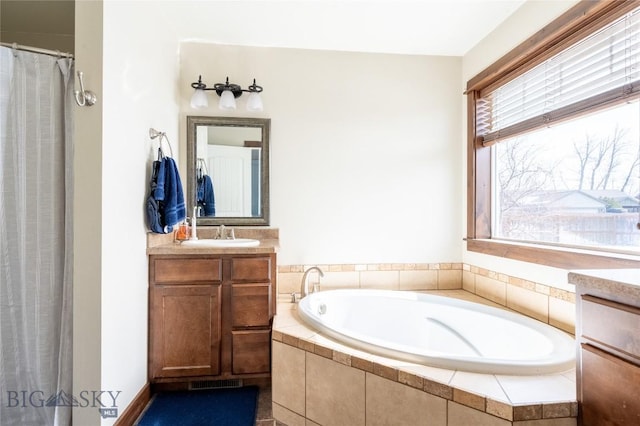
(251, 305)
(185, 331)
(610, 389)
(251, 351)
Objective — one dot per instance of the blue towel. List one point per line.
(206, 197)
(169, 190)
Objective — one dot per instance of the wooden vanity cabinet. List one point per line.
(609, 361)
(210, 316)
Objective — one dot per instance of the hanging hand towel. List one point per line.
(174, 206)
(206, 197)
(153, 207)
(165, 204)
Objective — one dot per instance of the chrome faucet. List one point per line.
(304, 285)
(194, 225)
(225, 234)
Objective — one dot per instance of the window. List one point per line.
(555, 143)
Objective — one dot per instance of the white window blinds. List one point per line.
(600, 70)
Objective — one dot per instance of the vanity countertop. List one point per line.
(621, 283)
(164, 244)
(266, 246)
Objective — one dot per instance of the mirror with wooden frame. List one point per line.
(228, 170)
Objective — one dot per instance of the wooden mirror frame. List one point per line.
(264, 124)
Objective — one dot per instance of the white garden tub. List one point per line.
(439, 331)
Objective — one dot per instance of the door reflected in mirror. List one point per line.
(228, 170)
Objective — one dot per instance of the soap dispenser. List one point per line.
(183, 232)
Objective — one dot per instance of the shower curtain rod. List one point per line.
(38, 50)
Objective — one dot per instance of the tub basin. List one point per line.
(210, 242)
(439, 331)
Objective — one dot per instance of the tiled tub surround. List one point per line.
(548, 304)
(318, 381)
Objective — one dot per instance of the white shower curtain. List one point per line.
(36, 98)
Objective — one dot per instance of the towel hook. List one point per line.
(84, 97)
(153, 133)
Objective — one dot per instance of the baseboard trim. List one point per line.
(135, 408)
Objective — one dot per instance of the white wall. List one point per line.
(365, 148)
(138, 65)
(526, 21)
(140, 75)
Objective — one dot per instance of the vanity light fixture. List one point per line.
(228, 93)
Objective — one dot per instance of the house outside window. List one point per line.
(554, 141)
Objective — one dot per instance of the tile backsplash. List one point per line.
(545, 303)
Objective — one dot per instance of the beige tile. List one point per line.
(418, 280)
(342, 358)
(527, 412)
(469, 281)
(548, 422)
(289, 282)
(290, 339)
(337, 280)
(570, 375)
(310, 423)
(330, 344)
(557, 410)
(298, 330)
(562, 314)
(538, 389)
(285, 316)
(438, 389)
(335, 393)
(439, 375)
(391, 403)
(288, 417)
(481, 384)
(288, 377)
(528, 302)
(504, 410)
(323, 351)
(449, 279)
(459, 415)
(469, 399)
(410, 379)
(385, 371)
(362, 364)
(387, 280)
(491, 289)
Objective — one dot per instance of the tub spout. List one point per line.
(304, 285)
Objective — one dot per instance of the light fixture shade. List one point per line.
(254, 103)
(199, 99)
(227, 101)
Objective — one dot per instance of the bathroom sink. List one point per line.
(210, 242)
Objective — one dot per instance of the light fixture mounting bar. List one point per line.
(232, 87)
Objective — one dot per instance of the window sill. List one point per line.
(556, 257)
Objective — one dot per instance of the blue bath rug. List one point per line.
(219, 407)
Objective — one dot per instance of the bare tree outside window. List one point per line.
(576, 183)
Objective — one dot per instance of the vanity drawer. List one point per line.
(251, 351)
(251, 305)
(255, 269)
(186, 270)
(612, 324)
(610, 389)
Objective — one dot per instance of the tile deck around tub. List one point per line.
(509, 397)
